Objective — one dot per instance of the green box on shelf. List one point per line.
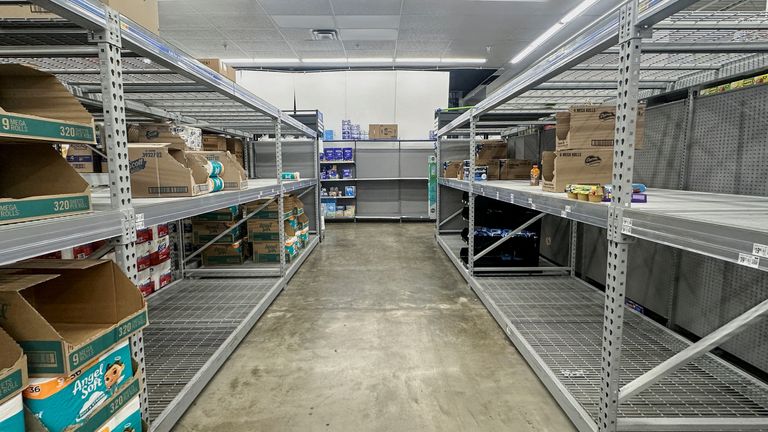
(224, 254)
(268, 212)
(205, 231)
(228, 214)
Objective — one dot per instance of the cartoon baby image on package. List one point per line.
(69, 400)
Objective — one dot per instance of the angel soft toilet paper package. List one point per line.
(12, 415)
(128, 419)
(69, 400)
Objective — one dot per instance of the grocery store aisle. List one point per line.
(377, 332)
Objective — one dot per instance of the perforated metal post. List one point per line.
(281, 190)
(318, 194)
(116, 142)
(618, 243)
(471, 194)
(574, 247)
(438, 142)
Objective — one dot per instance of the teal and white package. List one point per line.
(68, 401)
(214, 168)
(128, 419)
(215, 184)
(12, 415)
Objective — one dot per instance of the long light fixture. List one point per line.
(462, 60)
(370, 60)
(417, 60)
(260, 60)
(325, 60)
(570, 16)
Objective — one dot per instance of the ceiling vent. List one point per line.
(326, 34)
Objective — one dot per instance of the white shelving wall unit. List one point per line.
(125, 73)
(609, 367)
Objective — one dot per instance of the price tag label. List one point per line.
(497, 195)
(568, 208)
(760, 250)
(140, 221)
(563, 213)
(512, 198)
(749, 260)
(626, 226)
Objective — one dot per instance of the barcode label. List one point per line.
(749, 260)
(140, 221)
(497, 194)
(568, 208)
(760, 250)
(626, 226)
(512, 198)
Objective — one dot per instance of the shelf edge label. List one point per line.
(760, 250)
(749, 260)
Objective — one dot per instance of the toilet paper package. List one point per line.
(68, 400)
(128, 419)
(12, 415)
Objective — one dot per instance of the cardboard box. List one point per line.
(36, 107)
(514, 169)
(590, 126)
(223, 254)
(13, 379)
(231, 213)
(66, 313)
(453, 169)
(142, 12)
(182, 137)
(268, 230)
(587, 166)
(268, 212)
(220, 67)
(268, 251)
(236, 146)
(166, 170)
(205, 231)
(100, 418)
(484, 170)
(491, 149)
(234, 176)
(214, 143)
(84, 160)
(382, 131)
(37, 183)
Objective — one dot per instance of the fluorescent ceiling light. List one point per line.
(324, 60)
(418, 60)
(462, 60)
(578, 10)
(370, 60)
(261, 60)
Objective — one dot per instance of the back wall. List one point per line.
(408, 98)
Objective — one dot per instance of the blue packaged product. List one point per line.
(347, 153)
(328, 135)
(330, 209)
(322, 156)
(12, 415)
(68, 400)
(338, 154)
(328, 154)
(346, 172)
(349, 191)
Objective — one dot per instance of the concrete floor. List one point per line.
(376, 332)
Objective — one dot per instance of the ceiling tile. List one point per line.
(252, 34)
(305, 21)
(369, 53)
(326, 54)
(423, 35)
(270, 54)
(316, 46)
(369, 45)
(292, 34)
(262, 46)
(241, 7)
(231, 19)
(368, 21)
(366, 7)
(185, 21)
(433, 46)
(368, 34)
(296, 7)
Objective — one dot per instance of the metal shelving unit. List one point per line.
(123, 73)
(609, 368)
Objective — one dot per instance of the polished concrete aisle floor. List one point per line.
(376, 332)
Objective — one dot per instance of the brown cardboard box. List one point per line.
(268, 212)
(382, 131)
(491, 149)
(205, 231)
(492, 166)
(165, 170)
(562, 168)
(234, 175)
(214, 143)
(224, 254)
(220, 67)
(267, 230)
(84, 159)
(142, 12)
(453, 169)
(37, 183)
(65, 313)
(13, 368)
(184, 137)
(514, 169)
(589, 126)
(28, 96)
(237, 148)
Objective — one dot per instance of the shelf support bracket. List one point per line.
(281, 189)
(115, 140)
(700, 348)
(516, 231)
(630, 38)
(449, 218)
(471, 194)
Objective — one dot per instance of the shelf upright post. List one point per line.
(630, 37)
(115, 140)
(438, 142)
(281, 190)
(471, 194)
(318, 194)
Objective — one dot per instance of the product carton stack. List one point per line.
(584, 147)
(263, 229)
(491, 163)
(13, 379)
(72, 319)
(153, 258)
(227, 250)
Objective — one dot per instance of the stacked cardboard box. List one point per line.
(227, 250)
(584, 147)
(72, 319)
(491, 163)
(263, 229)
(153, 258)
(13, 379)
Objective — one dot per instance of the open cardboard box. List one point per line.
(166, 170)
(13, 368)
(590, 126)
(588, 166)
(181, 136)
(65, 313)
(98, 418)
(220, 67)
(36, 107)
(234, 176)
(37, 183)
(142, 12)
